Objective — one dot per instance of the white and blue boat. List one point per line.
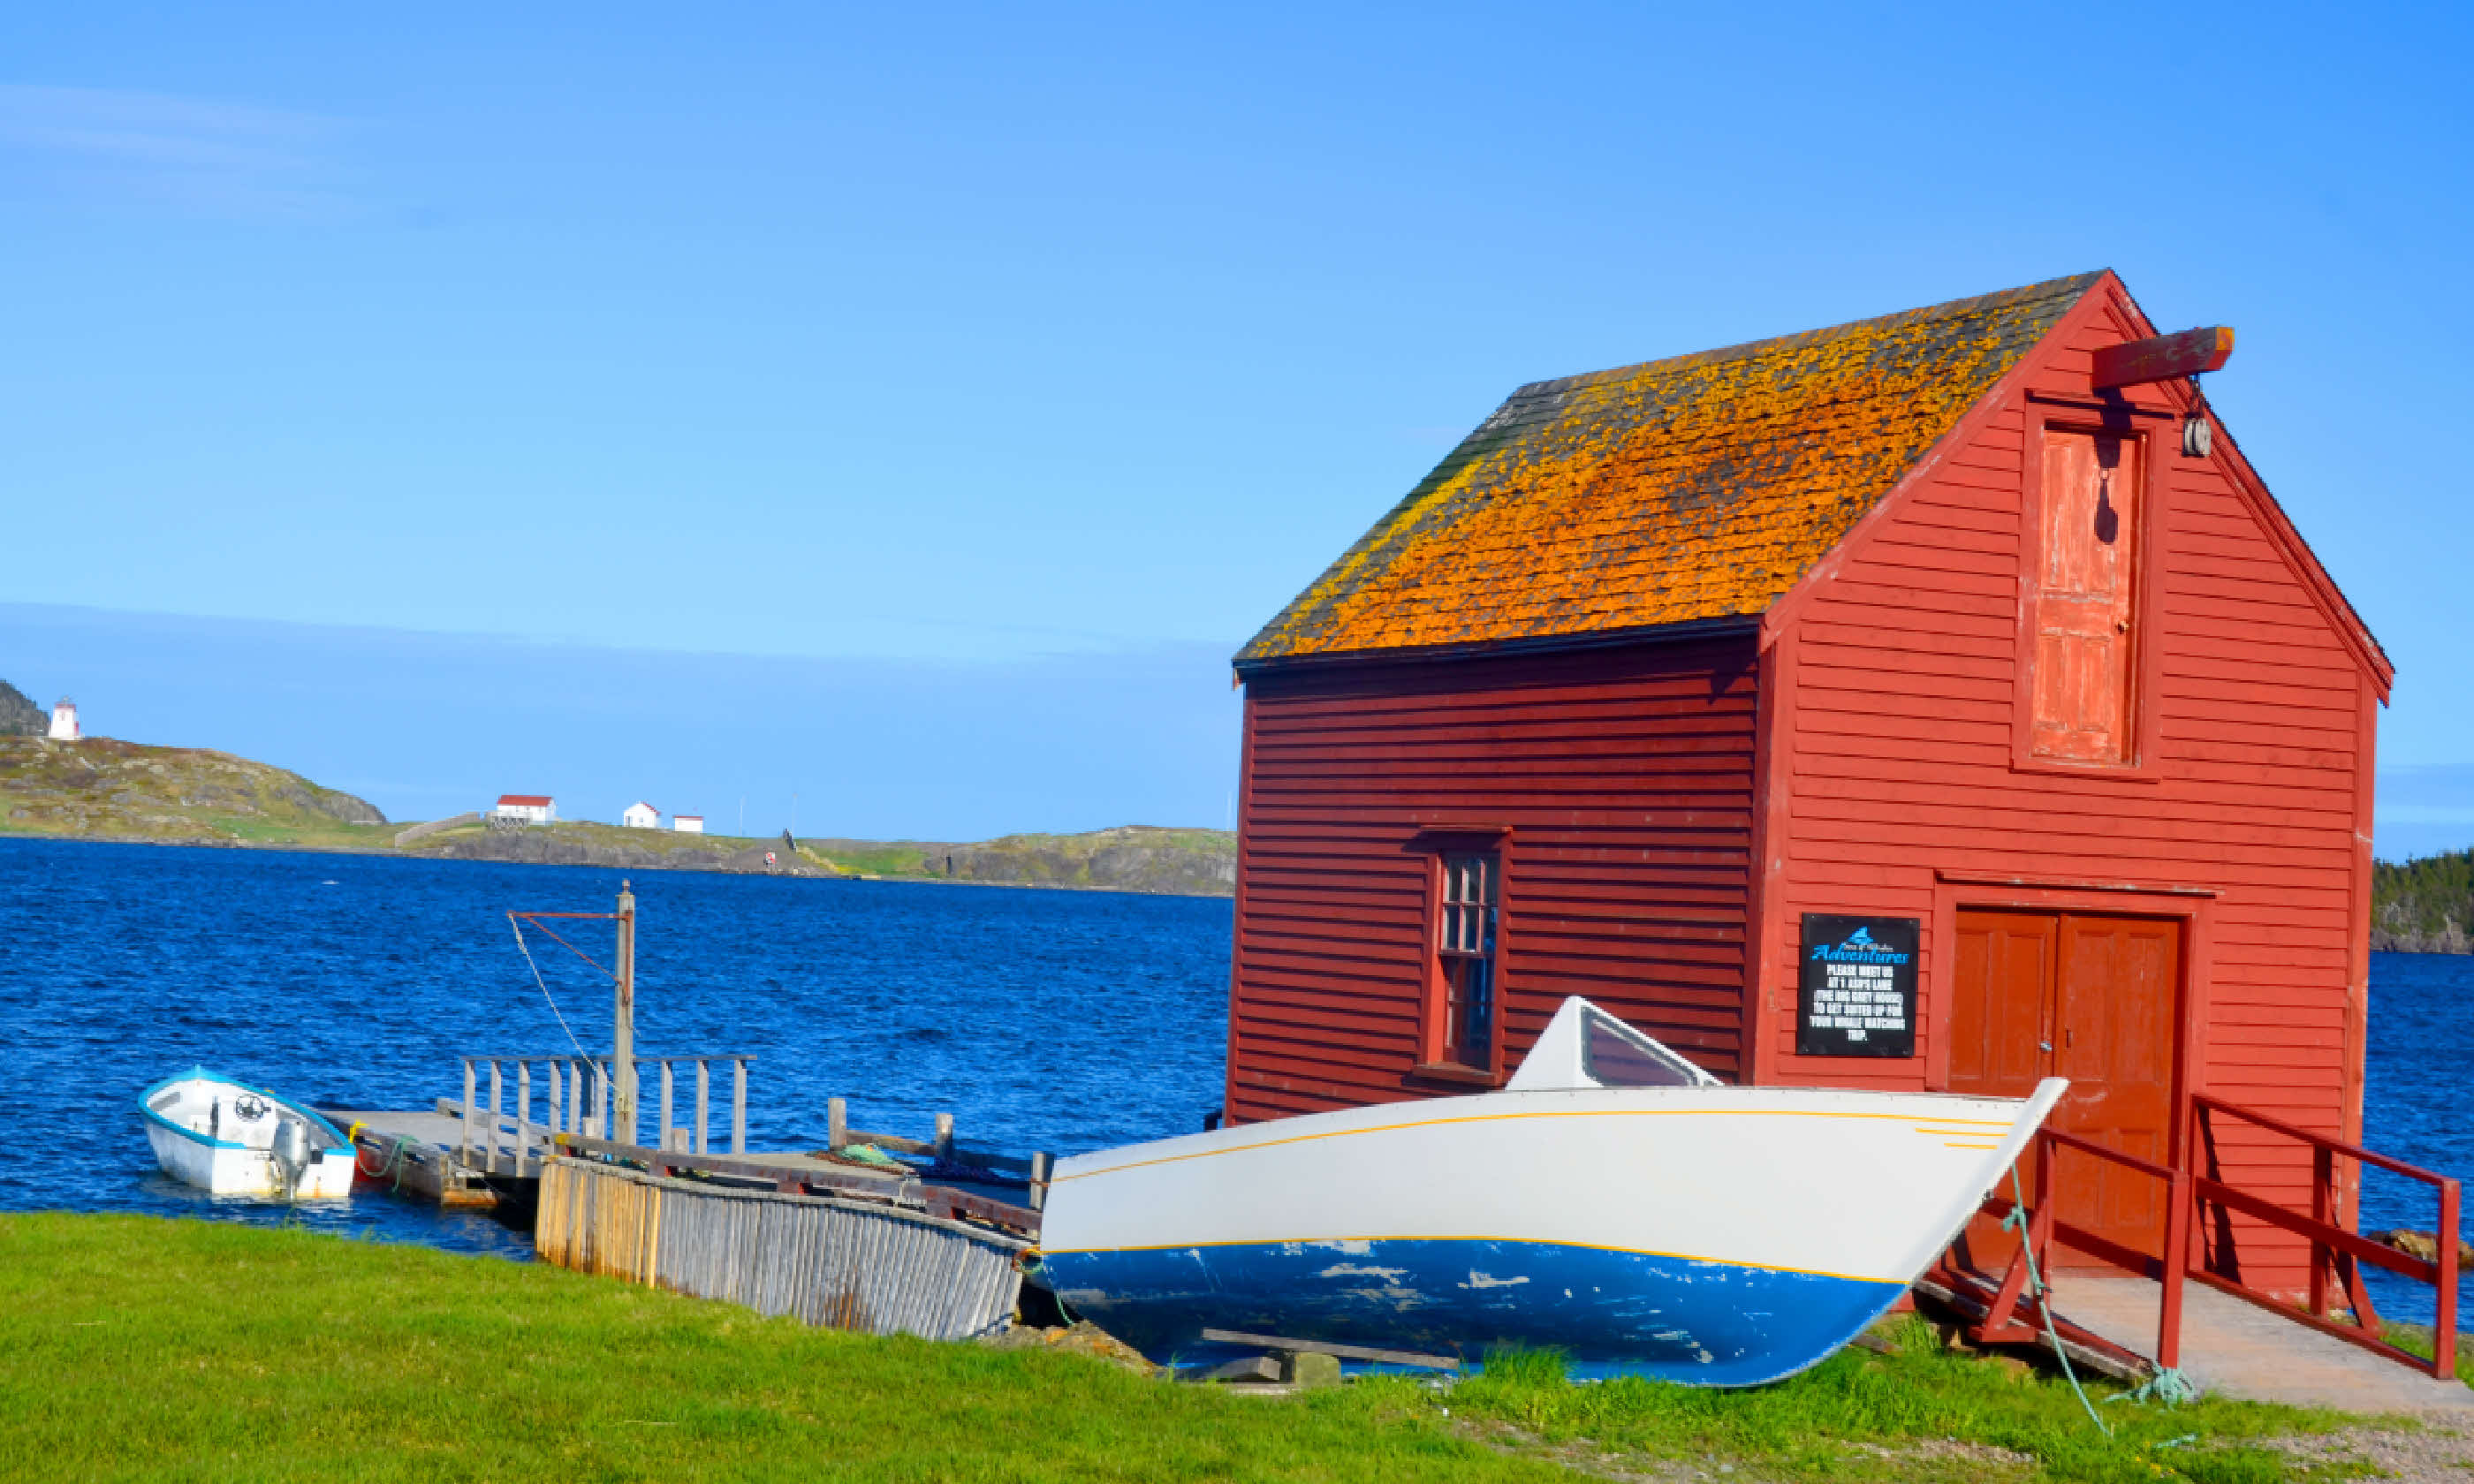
(1612, 1200)
(228, 1139)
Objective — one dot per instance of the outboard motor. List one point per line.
(291, 1151)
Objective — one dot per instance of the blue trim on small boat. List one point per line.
(1677, 1319)
(337, 1143)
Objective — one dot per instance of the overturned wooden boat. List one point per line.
(226, 1138)
(1613, 1201)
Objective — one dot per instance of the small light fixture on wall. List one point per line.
(2197, 437)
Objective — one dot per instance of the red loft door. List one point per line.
(2083, 613)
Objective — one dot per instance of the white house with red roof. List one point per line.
(640, 815)
(530, 809)
(688, 823)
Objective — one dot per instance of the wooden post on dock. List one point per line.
(1039, 1162)
(836, 1122)
(944, 1138)
(737, 1106)
(703, 1090)
(625, 1017)
(662, 1135)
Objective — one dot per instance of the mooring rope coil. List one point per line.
(2167, 1386)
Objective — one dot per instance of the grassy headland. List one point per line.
(134, 1348)
(105, 789)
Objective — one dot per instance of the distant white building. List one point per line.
(531, 808)
(640, 815)
(688, 823)
(64, 722)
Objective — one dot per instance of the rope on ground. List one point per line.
(2017, 1221)
(2168, 1387)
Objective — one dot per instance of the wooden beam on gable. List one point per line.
(2161, 358)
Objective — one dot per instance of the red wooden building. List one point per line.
(1935, 622)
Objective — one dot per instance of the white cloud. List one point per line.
(188, 152)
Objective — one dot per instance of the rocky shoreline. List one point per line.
(2423, 905)
(2449, 939)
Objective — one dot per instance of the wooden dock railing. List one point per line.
(2334, 1251)
(2336, 1255)
(2002, 1322)
(579, 1100)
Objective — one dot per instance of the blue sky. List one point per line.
(1003, 340)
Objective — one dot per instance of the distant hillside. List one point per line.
(105, 789)
(1129, 858)
(20, 717)
(2423, 906)
(583, 842)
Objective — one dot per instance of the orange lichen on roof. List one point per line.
(1697, 488)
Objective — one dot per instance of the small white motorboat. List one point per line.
(228, 1139)
(1613, 1201)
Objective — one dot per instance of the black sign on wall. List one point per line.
(1857, 996)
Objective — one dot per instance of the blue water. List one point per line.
(2415, 1085)
(1056, 1020)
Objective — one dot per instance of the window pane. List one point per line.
(1618, 1056)
(1477, 1017)
(1464, 943)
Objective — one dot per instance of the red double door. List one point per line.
(2095, 999)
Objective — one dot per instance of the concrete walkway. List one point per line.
(2233, 1349)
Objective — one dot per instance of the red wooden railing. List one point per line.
(2334, 1251)
(2001, 1324)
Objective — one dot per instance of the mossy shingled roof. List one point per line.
(1697, 488)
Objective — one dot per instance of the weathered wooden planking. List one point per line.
(410, 1152)
(1274, 1342)
(831, 1261)
(792, 1173)
(2160, 357)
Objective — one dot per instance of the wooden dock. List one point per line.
(483, 1151)
(2233, 1349)
(832, 1243)
(446, 1156)
(927, 1245)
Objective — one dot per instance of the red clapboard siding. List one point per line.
(1894, 766)
(1626, 776)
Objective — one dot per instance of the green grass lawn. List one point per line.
(134, 1348)
(2415, 1340)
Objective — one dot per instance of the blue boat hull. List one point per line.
(1708, 1323)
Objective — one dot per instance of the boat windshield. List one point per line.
(1614, 1055)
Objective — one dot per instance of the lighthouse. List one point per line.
(64, 722)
